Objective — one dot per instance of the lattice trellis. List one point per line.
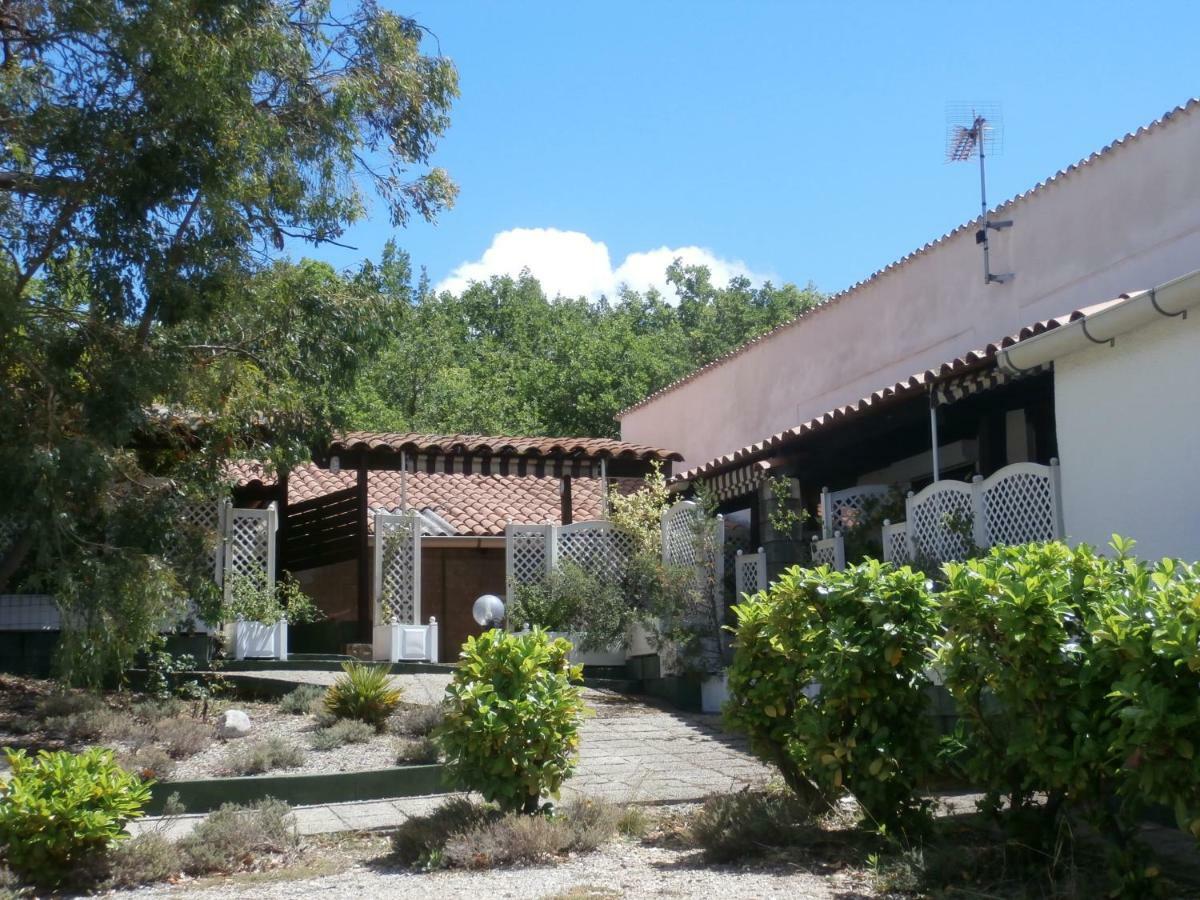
(249, 547)
(750, 572)
(933, 512)
(679, 538)
(1020, 505)
(529, 554)
(202, 519)
(597, 547)
(829, 552)
(398, 567)
(844, 509)
(895, 543)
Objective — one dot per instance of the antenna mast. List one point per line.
(973, 131)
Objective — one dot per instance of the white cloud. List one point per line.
(571, 264)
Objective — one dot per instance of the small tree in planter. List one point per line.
(512, 718)
(254, 607)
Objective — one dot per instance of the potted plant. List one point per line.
(260, 616)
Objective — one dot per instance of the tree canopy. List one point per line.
(155, 159)
(503, 358)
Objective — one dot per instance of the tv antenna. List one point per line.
(977, 130)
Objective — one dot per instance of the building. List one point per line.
(926, 372)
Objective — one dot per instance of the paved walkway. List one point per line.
(631, 751)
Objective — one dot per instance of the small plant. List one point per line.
(512, 718)
(416, 752)
(183, 737)
(264, 756)
(340, 733)
(148, 763)
(143, 859)
(88, 725)
(633, 822)
(420, 840)
(749, 823)
(508, 840)
(420, 721)
(302, 701)
(786, 514)
(233, 836)
(252, 601)
(60, 811)
(363, 692)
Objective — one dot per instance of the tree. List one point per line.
(155, 160)
(503, 358)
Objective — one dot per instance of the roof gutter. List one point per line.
(1171, 300)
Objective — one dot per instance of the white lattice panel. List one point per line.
(597, 547)
(1020, 504)
(398, 567)
(750, 573)
(829, 552)
(895, 543)
(679, 534)
(529, 553)
(204, 518)
(931, 514)
(845, 509)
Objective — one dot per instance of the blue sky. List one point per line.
(798, 141)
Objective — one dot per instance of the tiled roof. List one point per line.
(477, 505)
(918, 383)
(1057, 177)
(545, 447)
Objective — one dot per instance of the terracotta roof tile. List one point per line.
(1038, 188)
(557, 447)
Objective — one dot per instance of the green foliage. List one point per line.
(420, 751)
(639, 513)
(60, 811)
(363, 692)
(420, 840)
(786, 515)
(572, 599)
(862, 635)
(302, 701)
(155, 158)
(252, 601)
(257, 757)
(228, 838)
(143, 859)
(420, 721)
(340, 733)
(512, 718)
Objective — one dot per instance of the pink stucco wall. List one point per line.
(1125, 221)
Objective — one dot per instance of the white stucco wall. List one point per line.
(1126, 221)
(1128, 422)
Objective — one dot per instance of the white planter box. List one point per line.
(714, 691)
(394, 642)
(611, 657)
(253, 640)
(638, 641)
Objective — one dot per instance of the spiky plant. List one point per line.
(363, 692)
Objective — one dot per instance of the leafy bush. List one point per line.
(572, 599)
(183, 737)
(512, 718)
(59, 811)
(263, 756)
(345, 731)
(252, 601)
(862, 635)
(302, 701)
(416, 752)
(363, 692)
(233, 836)
(749, 823)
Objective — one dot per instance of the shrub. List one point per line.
(302, 701)
(749, 823)
(59, 811)
(862, 635)
(148, 762)
(232, 836)
(512, 718)
(88, 725)
(363, 692)
(183, 737)
(263, 756)
(421, 839)
(580, 826)
(415, 752)
(143, 859)
(420, 721)
(346, 731)
(633, 822)
(572, 599)
(63, 703)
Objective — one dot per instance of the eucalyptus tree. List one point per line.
(156, 160)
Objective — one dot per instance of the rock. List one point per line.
(233, 724)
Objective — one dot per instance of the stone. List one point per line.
(233, 724)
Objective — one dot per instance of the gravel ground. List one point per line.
(620, 870)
